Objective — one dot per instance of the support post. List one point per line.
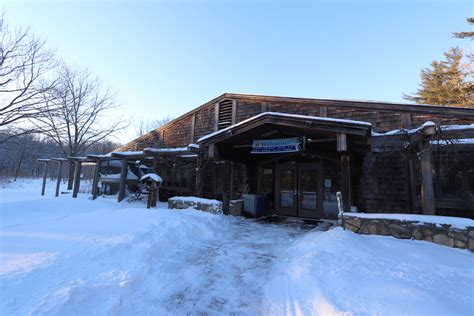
(95, 180)
(226, 187)
(427, 190)
(123, 180)
(70, 179)
(45, 171)
(77, 178)
(346, 182)
(199, 175)
(58, 180)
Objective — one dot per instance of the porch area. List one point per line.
(298, 163)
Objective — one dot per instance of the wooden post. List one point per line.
(226, 187)
(199, 173)
(345, 172)
(427, 188)
(77, 178)
(95, 180)
(346, 182)
(58, 180)
(45, 171)
(231, 178)
(70, 179)
(123, 180)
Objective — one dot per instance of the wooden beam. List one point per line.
(95, 179)
(123, 180)
(346, 182)
(58, 180)
(45, 171)
(341, 142)
(77, 178)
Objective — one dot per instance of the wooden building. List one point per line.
(298, 152)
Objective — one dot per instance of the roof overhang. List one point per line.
(305, 125)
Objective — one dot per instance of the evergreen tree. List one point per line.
(468, 34)
(447, 82)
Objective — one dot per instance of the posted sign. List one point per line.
(274, 146)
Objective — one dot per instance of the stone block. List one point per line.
(443, 239)
(236, 207)
(205, 205)
(460, 244)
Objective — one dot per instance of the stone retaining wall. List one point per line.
(205, 205)
(443, 234)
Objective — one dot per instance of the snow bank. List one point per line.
(456, 222)
(340, 272)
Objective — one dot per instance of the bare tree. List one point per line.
(77, 110)
(24, 62)
(144, 126)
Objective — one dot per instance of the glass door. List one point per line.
(309, 184)
(286, 189)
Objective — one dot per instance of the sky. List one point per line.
(164, 58)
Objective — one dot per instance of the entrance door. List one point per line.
(298, 190)
(286, 189)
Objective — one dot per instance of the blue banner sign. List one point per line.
(277, 146)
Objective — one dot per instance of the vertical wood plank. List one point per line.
(45, 171)
(346, 182)
(216, 117)
(193, 124)
(95, 180)
(77, 179)
(234, 112)
(123, 180)
(406, 120)
(323, 111)
(341, 142)
(58, 179)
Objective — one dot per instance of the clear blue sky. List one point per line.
(167, 57)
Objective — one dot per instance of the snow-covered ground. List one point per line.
(64, 256)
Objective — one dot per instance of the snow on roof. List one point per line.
(456, 222)
(459, 141)
(405, 131)
(128, 153)
(193, 145)
(426, 124)
(165, 150)
(307, 117)
(152, 176)
(456, 127)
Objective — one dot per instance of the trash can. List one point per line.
(254, 204)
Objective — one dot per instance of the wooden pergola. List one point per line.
(123, 157)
